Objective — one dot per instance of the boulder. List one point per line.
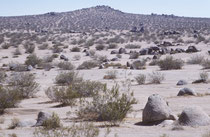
(193, 116)
(114, 52)
(122, 50)
(29, 68)
(191, 49)
(186, 91)
(157, 110)
(26, 123)
(42, 116)
(181, 82)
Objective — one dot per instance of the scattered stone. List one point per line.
(157, 110)
(64, 58)
(114, 52)
(122, 50)
(181, 82)
(191, 49)
(186, 91)
(29, 68)
(193, 116)
(199, 81)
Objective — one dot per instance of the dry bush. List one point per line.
(24, 84)
(88, 65)
(196, 59)
(206, 64)
(56, 49)
(156, 77)
(132, 46)
(48, 59)
(100, 47)
(78, 89)
(29, 47)
(52, 123)
(3, 76)
(5, 46)
(66, 66)
(66, 78)
(109, 106)
(141, 78)
(139, 64)
(170, 63)
(154, 62)
(17, 52)
(77, 57)
(14, 123)
(43, 46)
(33, 60)
(207, 134)
(75, 49)
(204, 75)
(112, 46)
(8, 98)
(75, 130)
(112, 74)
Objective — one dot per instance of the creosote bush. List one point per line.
(109, 106)
(170, 63)
(33, 60)
(8, 98)
(112, 74)
(204, 75)
(141, 78)
(100, 47)
(88, 65)
(29, 48)
(24, 84)
(156, 77)
(77, 89)
(196, 59)
(75, 130)
(66, 78)
(75, 49)
(52, 123)
(66, 66)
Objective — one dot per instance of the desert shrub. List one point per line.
(24, 84)
(134, 55)
(5, 46)
(17, 52)
(75, 130)
(170, 63)
(66, 78)
(100, 58)
(207, 134)
(141, 78)
(56, 49)
(89, 43)
(47, 66)
(154, 62)
(14, 123)
(156, 77)
(30, 47)
(100, 47)
(132, 46)
(75, 49)
(112, 46)
(204, 75)
(3, 76)
(196, 59)
(8, 98)
(87, 65)
(112, 74)
(52, 123)
(92, 53)
(66, 66)
(110, 106)
(139, 64)
(43, 46)
(68, 95)
(48, 59)
(77, 57)
(206, 64)
(33, 60)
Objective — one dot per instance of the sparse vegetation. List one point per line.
(141, 78)
(88, 65)
(156, 77)
(66, 78)
(170, 63)
(33, 60)
(112, 74)
(196, 59)
(66, 66)
(52, 123)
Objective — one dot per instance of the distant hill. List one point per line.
(102, 18)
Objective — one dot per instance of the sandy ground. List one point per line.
(29, 108)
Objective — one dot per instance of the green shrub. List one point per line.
(170, 63)
(141, 78)
(24, 84)
(66, 78)
(66, 66)
(156, 77)
(33, 60)
(109, 106)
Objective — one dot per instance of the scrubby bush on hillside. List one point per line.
(33, 60)
(156, 77)
(88, 65)
(66, 78)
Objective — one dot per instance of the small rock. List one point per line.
(186, 91)
(181, 82)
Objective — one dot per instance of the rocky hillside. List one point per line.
(101, 18)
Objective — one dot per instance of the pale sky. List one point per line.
(190, 8)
